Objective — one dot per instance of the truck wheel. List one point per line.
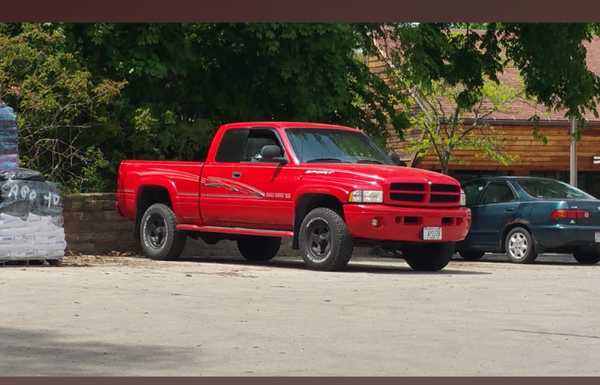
(586, 257)
(428, 257)
(258, 248)
(471, 255)
(519, 246)
(325, 241)
(158, 235)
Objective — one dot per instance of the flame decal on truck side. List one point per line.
(233, 186)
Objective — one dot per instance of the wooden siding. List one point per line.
(529, 153)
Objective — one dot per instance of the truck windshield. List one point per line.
(334, 146)
(551, 189)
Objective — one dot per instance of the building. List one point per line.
(515, 129)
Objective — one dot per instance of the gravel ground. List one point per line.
(124, 315)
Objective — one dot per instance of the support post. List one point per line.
(573, 154)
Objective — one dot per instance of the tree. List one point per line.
(62, 113)
(447, 75)
(185, 79)
(447, 127)
(551, 58)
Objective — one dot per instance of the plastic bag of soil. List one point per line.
(31, 220)
(8, 137)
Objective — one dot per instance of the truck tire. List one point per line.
(324, 240)
(159, 237)
(587, 257)
(519, 246)
(471, 255)
(429, 256)
(258, 248)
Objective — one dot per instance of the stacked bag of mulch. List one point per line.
(8, 137)
(31, 211)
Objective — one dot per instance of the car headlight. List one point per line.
(463, 198)
(366, 196)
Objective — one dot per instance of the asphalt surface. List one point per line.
(221, 316)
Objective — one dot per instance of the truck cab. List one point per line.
(328, 187)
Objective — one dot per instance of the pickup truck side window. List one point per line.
(232, 147)
(257, 138)
(497, 192)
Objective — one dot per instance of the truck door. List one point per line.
(238, 189)
(220, 199)
(269, 204)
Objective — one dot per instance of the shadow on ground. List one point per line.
(360, 265)
(542, 259)
(27, 352)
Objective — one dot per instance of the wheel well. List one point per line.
(508, 229)
(148, 196)
(308, 202)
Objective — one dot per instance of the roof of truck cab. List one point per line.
(288, 125)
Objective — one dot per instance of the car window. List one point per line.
(497, 192)
(257, 138)
(473, 190)
(233, 144)
(551, 189)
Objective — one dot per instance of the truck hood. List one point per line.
(379, 173)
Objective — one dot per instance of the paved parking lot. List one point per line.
(225, 317)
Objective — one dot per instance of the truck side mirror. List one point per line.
(396, 159)
(272, 153)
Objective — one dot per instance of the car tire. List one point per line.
(519, 246)
(159, 238)
(324, 240)
(258, 248)
(471, 255)
(586, 257)
(429, 257)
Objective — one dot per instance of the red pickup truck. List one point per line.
(328, 187)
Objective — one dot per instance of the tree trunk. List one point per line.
(444, 166)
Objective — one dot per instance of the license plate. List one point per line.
(598, 237)
(435, 234)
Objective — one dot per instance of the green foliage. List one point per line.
(448, 127)
(550, 56)
(61, 109)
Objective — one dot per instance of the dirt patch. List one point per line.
(114, 258)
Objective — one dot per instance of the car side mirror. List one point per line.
(397, 160)
(272, 153)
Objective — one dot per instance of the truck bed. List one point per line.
(181, 178)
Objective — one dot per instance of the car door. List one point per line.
(497, 206)
(269, 204)
(473, 191)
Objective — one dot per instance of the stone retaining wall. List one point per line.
(93, 226)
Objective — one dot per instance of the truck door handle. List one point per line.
(236, 174)
(509, 210)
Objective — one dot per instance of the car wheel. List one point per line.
(428, 257)
(587, 257)
(519, 246)
(159, 237)
(471, 255)
(325, 241)
(258, 248)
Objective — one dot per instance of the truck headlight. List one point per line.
(463, 198)
(366, 196)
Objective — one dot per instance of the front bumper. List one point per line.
(405, 223)
(560, 236)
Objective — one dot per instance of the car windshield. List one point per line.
(551, 189)
(335, 146)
